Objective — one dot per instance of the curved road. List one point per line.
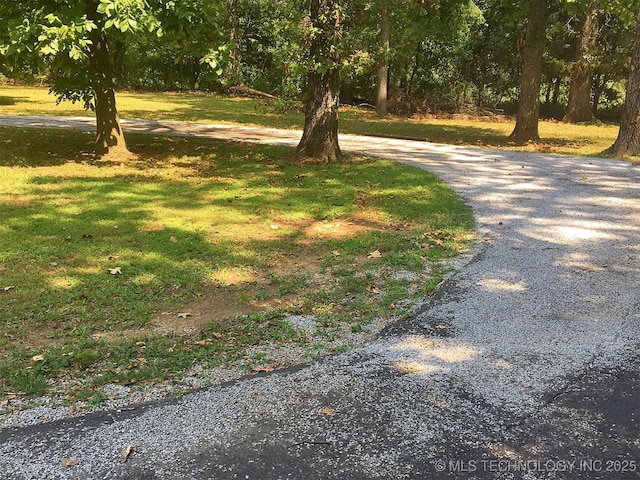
(525, 365)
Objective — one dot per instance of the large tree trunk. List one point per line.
(579, 106)
(383, 67)
(110, 138)
(526, 128)
(628, 141)
(319, 141)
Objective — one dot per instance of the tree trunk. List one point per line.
(579, 106)
(414, 70)
(234, 73)
(383, 67)
(556, 92)
(110, 138)
(547, 95)
(526, 128)
(319, 141)
(628, 141)
(599, 82)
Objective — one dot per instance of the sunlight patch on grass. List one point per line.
(230, 276)
(63, 282)
(232, 237)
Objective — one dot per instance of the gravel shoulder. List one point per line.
(527, 356)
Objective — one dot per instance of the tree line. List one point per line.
(569, 59)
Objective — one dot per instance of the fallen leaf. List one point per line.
(67, 239)
(128, 450)
(38, 358)
(54, 264)
(173, 239)
(115, 271)
(141, 360)
(4, 403)
(140, 344)
(274, 227)
(202, 343)
(327, 411)
(113, 257)
(441, 327)
(69, 462)
(10, 287)
(184, 315)
(336, 253)
(266, 368)
(375, 254)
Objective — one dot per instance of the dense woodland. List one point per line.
(565, 59)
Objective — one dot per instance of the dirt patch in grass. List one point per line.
(246, 293)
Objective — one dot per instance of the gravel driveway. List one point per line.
(525, 365)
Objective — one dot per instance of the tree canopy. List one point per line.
(430, 55)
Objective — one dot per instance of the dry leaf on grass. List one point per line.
(375, 254)
(265, 369)
(124, 456)
(173, 239)
(327, 411)
(69, 462)
(38, 358)
(115, 271)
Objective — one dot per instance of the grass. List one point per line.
(493, 132)
(196, 252)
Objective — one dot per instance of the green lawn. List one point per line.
(488, 131)
(197, 250)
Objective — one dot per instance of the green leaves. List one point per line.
(107, 7)
(217, 58)
(127, 15)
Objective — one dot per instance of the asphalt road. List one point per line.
(524, 366)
